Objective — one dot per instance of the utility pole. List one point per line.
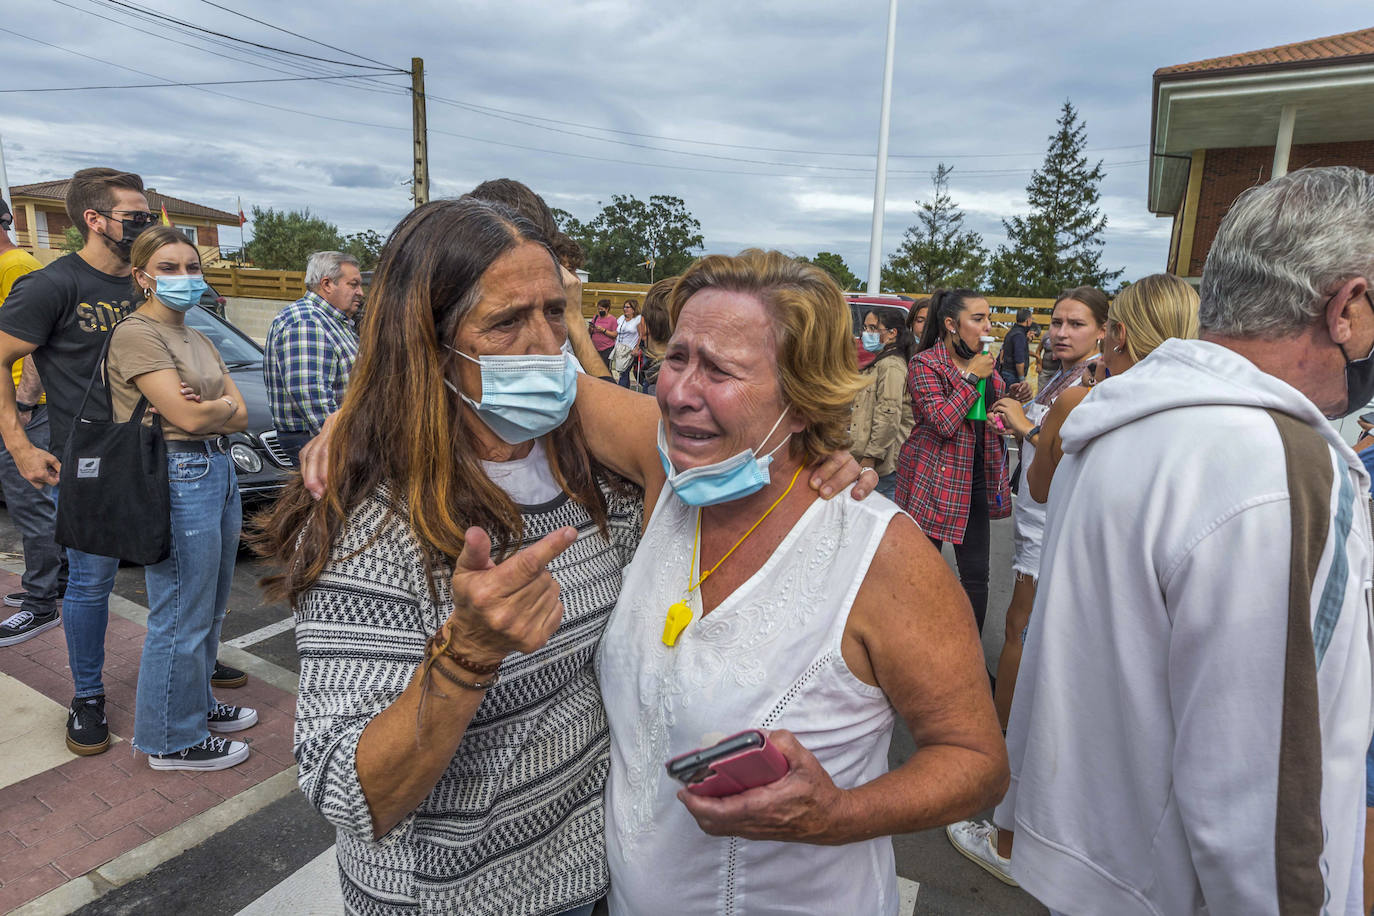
(417, 95)
(875, 244)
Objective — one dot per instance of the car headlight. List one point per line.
(246, 459)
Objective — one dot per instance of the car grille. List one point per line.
(269, 442)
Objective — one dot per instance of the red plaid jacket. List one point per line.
(935, 468)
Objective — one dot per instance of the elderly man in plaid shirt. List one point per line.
(311, 347)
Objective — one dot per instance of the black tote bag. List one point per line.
(114, 499)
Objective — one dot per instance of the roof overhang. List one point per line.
(1335, 104)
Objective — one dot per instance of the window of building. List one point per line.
(188, 231)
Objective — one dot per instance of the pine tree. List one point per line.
(937, 251)
(1058, 244)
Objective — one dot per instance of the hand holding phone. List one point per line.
(735, 764)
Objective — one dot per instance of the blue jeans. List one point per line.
(85, 614)
(187, 596)
(887, 486)
(33, 513)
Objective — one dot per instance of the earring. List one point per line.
(147, 293)
(1118, 349)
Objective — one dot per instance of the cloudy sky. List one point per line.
(761, 115)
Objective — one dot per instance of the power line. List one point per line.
(284, 79)
(484, 109)
(294, 34)
(191, 25)
(210, 46)
(706, 155)
(224, 95)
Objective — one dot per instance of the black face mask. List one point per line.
(122, 246)
(963, 350)
(1359, 376)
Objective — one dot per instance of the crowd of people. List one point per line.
(534, 558)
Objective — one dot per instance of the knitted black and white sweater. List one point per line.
(515, 825)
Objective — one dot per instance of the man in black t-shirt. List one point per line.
(1014, 359)
(62, 315)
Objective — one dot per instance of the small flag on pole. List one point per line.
(242, 219)
(165, 220)
(649, 263)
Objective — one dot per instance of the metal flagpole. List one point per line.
(5, 180)
(875, 244)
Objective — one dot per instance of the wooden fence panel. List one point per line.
(248, 282)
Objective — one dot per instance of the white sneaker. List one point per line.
(977, 842)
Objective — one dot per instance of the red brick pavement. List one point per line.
(66, 821)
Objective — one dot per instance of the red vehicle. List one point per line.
(860, 304)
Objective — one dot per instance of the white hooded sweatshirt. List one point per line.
(1162, 658)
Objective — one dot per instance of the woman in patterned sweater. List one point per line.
(448, 722)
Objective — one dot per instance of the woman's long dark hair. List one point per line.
(905, 344)
(400, 425)
(944, 303)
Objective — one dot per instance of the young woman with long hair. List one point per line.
(154, 355)
(882, 410)
(1077, 326)
(952, 471)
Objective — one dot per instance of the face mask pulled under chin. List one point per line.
(738, 476)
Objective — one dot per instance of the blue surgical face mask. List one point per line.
(523, 397)
(179, 291)
(734, 478)
(872, 341)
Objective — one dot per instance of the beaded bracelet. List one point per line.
(444, 646)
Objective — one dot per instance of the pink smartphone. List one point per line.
(728, 767)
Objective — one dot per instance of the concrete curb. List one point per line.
(137, 862)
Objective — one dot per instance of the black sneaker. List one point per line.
(26, 625)
(87, 730)
(225, 676)
(226, 718)
(16, 599)
(211, 754)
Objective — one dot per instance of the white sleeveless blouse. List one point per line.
(767, 657)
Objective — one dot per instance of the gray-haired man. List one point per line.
(311, 347)
(1193, 708)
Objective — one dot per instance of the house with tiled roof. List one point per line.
(41, 221)
(1222, 125)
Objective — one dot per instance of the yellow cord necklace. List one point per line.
(680, 614)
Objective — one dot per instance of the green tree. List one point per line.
(937, 251)
(72, 240)
(630, 234)
(283, 241)
(1058, 244)
(366, 246)
(834, 265)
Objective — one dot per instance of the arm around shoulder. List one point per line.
(621, 429)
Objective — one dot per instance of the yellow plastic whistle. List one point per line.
(679, 615)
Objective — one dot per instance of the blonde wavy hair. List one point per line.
(818, 370)
(1153, 309)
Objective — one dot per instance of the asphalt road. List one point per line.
(243, 862)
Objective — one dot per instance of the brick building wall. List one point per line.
(207, 235)
(1228, 172)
